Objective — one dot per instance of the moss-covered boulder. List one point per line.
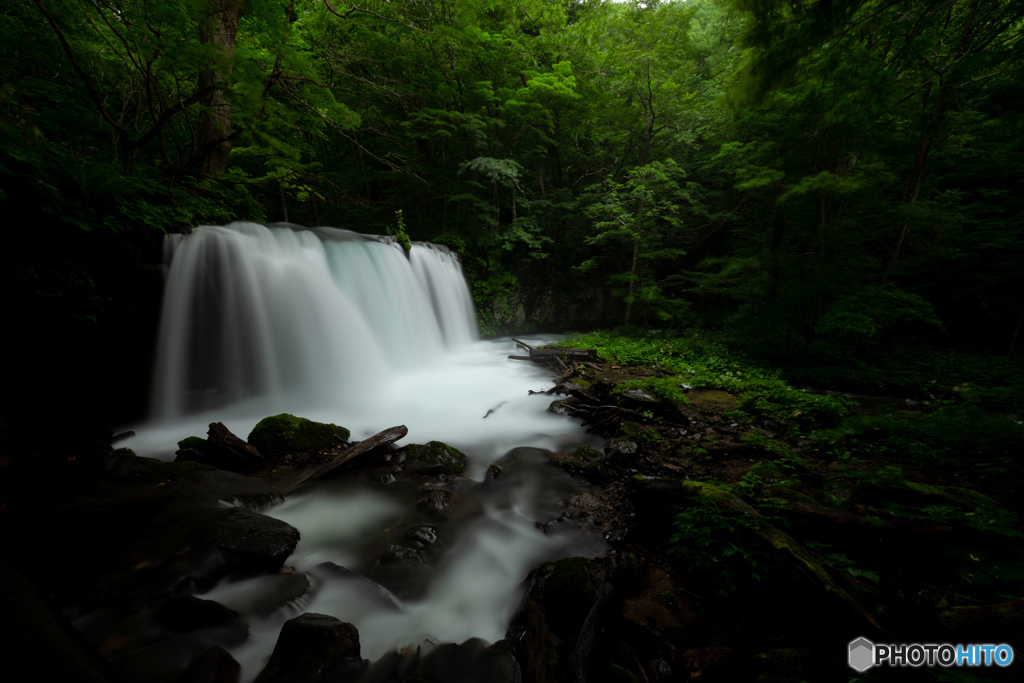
(583, 461)
(193, 442)
(434, 458)
(287, 433)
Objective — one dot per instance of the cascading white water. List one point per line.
(339, 327)
(254, 311)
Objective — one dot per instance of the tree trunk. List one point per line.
(218, 32)
(777, 257)
(913, 188)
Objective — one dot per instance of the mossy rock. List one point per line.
(433, 458)
(585, 461)
(194, 442)
(287, 433)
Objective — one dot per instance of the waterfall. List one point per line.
(254, 311)
(344, 328)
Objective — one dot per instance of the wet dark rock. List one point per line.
(583, 506)
(286, 433)
(421, 535)
(229, 487)
(222, 450)
(621, 447)
(432, 459)
(566, 591)
(547, 629)
(215, 665)
(493, 472)
(471, 662)
(314, 647)
(400, 555)
(436, 503)
(250, 541)
(533, 643)
(183, 613)
(402, 571)
(584, 461)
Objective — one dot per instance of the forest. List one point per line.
(814, 208)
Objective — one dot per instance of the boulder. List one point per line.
(286, 433)
(314, 647)
(471, 661)
(251, 542)
(583, 461)
(402, 571)
(420, 536)
(431, 459)
(400, 555)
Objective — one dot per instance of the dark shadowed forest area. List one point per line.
(783, 242)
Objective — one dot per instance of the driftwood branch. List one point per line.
(365, 446)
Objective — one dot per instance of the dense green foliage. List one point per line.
(854, 491)
(822, 181)
(695, 362)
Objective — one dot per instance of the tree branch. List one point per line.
(333, 11)
(93, 94)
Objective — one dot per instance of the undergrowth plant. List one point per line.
(693, 362)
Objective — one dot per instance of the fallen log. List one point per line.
(365, 446)
(523, 344)
(566, 353)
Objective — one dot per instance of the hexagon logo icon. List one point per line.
(862, 654)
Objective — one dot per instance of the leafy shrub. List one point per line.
(719, 550)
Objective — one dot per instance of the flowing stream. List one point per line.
(339, 327)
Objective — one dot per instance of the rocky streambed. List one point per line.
(689, 546)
